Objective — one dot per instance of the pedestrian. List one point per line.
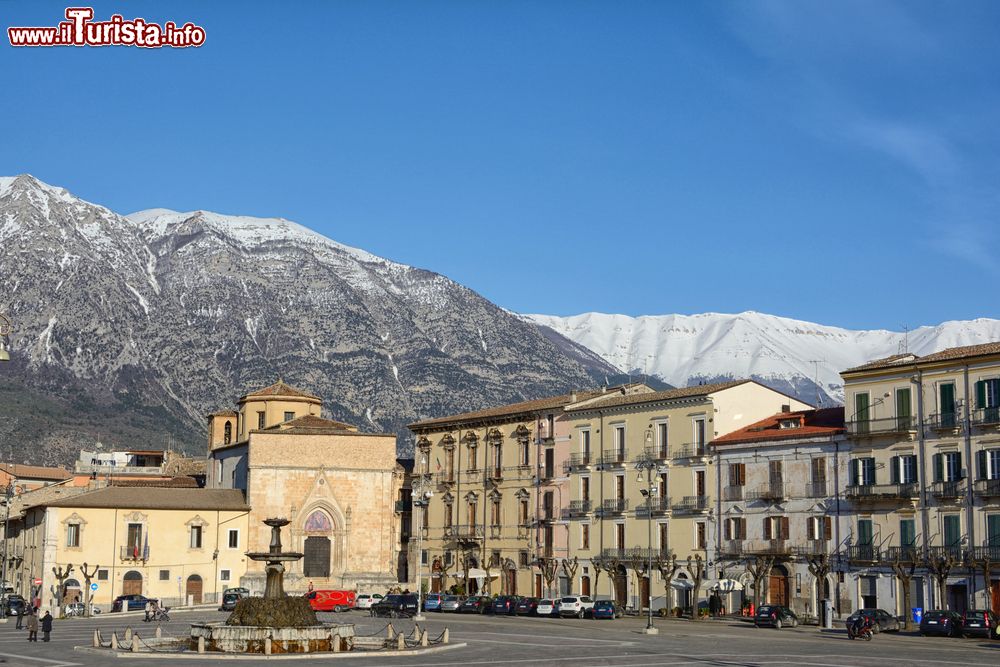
(149, 611)
(46, 627)
(32, 627)
(713, 605)
(310, 587)
(20, 617)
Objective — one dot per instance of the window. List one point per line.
(948, 466)
(224, 575)
(903, 469)
(865, 532)
(234, 538)
(818, 467)
(228, 433)
(497, 459)
(820, 527)
(735, 528)
(164, 575)
(776, 528)
(522, 559)
(904, 410)
(495, 558)
(495, 512)
(699, 483)
(620, 443)
(699, 434)
(620, 487)
(661, 439)
(775, 472)
(522, 453)
(619, 535)
(423, 557)
(548, 505)
(737, 474)
(550, 463)
(260, 420)
(988, 463)
(664, 537)
(946, 404)
(448, 558)
(952, 530)
(289, 416)
(195, 537)
(585, 445)
(585, 536)
(473, 457)
(993, 530)
(72, 535)
(584, 488)
(102, 575)
(988, 400)
(663, 486)
(861, 412)
(907, 533)
(522, 512)
(863, 471)
(134, 539)
(701, 535)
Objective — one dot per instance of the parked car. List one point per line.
(979, 623)
(432, 601)
(330, 600)
(882, 621)
(451, 603)
(245, 592)
(527, 607)
(575, 605)
(776, 616)
(505, 604)
(366, 600)
(475, 605)
(396, 605)
(607, 609)
(941, 622)
(229, 600)
(12, 603)
(80, 609)
(545, 607)
(133, 602)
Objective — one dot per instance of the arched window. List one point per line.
(228, 437)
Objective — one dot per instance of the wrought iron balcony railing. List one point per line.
(777, 547)
(817, 489)
(774, 490)
(466, 532)
(661, 453)
(987, 553)
(614, 457)
(986, 416)
(580, 507)
(882, 492)
(133, 552)
(689, 504)
(955, 553)
(863, 553)
(987, 488)
(944, 421)
(812, 548)
(580, 460)
(732, 492)
(948, 490)
(888, 426)
(658, 505)
(692, 450)
(614, 506)
(634, 553)
(907, 554)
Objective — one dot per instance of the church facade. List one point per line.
(336, 485)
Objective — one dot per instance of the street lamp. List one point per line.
(421, 500)
(8, 496)
(648, 464)
(5, 329)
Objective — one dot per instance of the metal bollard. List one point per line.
(400, 642)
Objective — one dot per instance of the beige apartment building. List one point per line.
(924, 476)
(657, 443)
(496, 490)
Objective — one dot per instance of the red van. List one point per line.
(321, 600)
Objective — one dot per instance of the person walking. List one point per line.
(20, 617)
(32, 627)
(149, 611)
(714, 604)
(46, 627)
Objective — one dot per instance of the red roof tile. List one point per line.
(815, 423)
(948, 354)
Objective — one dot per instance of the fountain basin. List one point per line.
(253, 639)
(285, 556)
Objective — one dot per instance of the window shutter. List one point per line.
(767, 528)
(981, 464)
(743, 474)
(855, 466)
(743, 529)
(827, 528)
(981, 394)
(938, 468)
(784, 528)
(958, 467)
(728, 530)
(894, 470)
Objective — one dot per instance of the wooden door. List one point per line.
(995, 596)
(621, 587)
(778, 590)
(317, 557)
(584, 585)
(511, 582)
(193, 589)
(538, 585)
(132, 583)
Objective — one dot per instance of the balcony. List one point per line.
(133, 553)
(614, 458)
(945, 421)
(767, 548)
(548, 515)
(659, 505)
(730, 548)
(634, 553)
(812, 548)
(691, 505)
(817, 489)
(693, 450)
(732, 493)
(657, 453)
(614, 506)
(496, 531)
(987, 488)
(909, 555)
(880, 493)
(496, 472)
(579, 461)
(580, 507)
(990, 554)
(878, 427)
(464, 532)
(986, 416)
(445, 478)
(771, 492)
(546, 473)
(955, 553)
(948, 491)
(863, 553)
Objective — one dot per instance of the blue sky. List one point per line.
(834, 162)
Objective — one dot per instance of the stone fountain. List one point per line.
(274, 623)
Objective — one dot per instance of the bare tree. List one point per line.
(88, 575)
(940, 566)
(569, 568)
(982, 559)
(819, 568)
(759, 568)
(61, 577)
(612, 565)
(667, 566)
(638, 564)
(904, 572)
(696, 566)
(598, 568)
(550, 566)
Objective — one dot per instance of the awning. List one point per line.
(682, 584)
(476, 573)
(726, 586)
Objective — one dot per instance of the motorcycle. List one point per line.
(862, 628)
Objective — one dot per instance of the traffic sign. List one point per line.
(37, 582)
(93, 587)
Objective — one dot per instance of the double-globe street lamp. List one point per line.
(647, 463)
(420, 497)
(5, 329)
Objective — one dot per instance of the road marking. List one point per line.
(57, 663)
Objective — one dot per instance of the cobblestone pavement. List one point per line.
(537, 641)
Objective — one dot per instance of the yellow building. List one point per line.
(178, 545)
(924, 477)
(657, 443)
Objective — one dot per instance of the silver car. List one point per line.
(451, 603)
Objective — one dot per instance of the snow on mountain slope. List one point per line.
(683, 349)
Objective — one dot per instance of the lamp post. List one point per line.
(8, 496)
(5, 329)
(421, 499)
(648, 464)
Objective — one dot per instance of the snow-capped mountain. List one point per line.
(784, 353)
(130, 329)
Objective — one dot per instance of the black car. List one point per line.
(882, 621)
(607, 609)
(229, 600)
(396, 606)
(941, 622)
(979, 623)
(527, 607)
(134, 602)
(475, 605)
(505, 604)
(14, 603)
(776, 616)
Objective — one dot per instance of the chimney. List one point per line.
(786, 407)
